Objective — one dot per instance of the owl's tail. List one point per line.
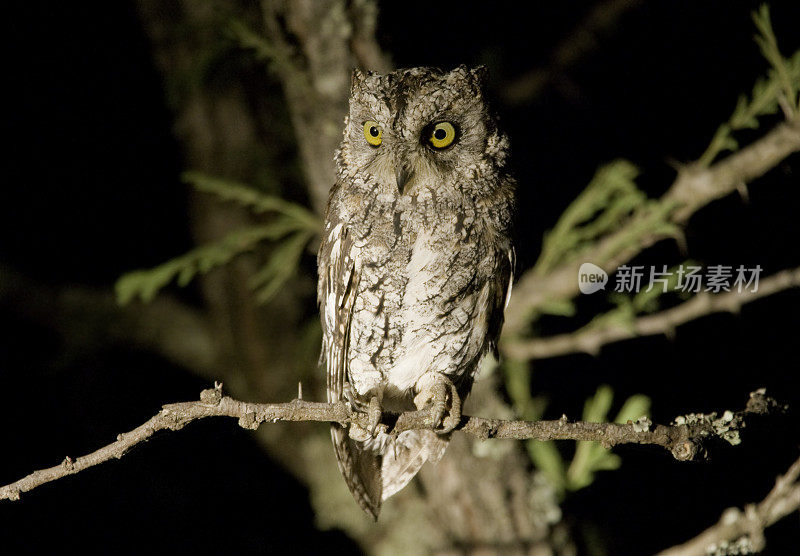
(361, 469)
(404, 456)
(377, 469)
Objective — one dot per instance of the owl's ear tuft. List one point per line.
(479, 75)
(357, 79)
(460, 71)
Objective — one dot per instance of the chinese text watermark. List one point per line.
(684, 278)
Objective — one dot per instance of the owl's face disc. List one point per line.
(419, 128)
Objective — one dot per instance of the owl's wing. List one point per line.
(506, 261)
(337, 288)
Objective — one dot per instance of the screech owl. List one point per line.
(415, 264)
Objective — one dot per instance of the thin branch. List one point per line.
(364, 43)
(319, 43)
(694, 188)
(85, 315)
(742, 532)
(591, 338)
(580, 42)
(684, 439)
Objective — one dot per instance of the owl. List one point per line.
(415, 265)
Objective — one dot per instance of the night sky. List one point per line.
(91, 190)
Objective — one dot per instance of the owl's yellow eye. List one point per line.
(442, 135)
(373, 133)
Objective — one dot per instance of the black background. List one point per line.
(91, 190)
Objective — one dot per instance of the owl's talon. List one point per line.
(375, 415)
(445, 404)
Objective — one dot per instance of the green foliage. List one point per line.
(145, 284)
(647, 300)
(248, 39)
(544, 455)
(609, 198)
(778, 89)
(547, 459)
(651, 220)
(589, 457)
(629, 307)
(558, 306)
(281, 265)
(784, 71)
(518, 386)
(253, 199)
(289, 231)
(277, 56)
(263, 49)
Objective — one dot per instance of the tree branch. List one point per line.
(83, 315)
(740, 532)
(319, 43)
(579, 43)
(694, 188)
(684, 439)
(591, 338)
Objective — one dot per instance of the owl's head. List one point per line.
(421, 128)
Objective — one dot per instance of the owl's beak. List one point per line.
(402, 174)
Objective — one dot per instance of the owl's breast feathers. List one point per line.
(426, 283)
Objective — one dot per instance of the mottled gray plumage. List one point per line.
(416, 260)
